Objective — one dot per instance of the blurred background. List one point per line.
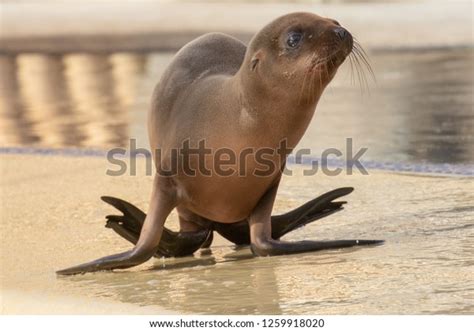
(79, 74)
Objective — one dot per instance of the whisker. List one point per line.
(302, 87)
(302, 91)
(359, 50)
(352, 69)
(357, 70)
(332, 64)
(358, 47)
(364, 83)
(359, 63)
(313, 82)
(311, 88)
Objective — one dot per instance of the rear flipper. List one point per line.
(239, 233)
(171, 243)
(185, 243)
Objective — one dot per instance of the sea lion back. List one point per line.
(210, 54)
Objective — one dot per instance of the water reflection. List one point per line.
(341, 281)
(440, 103)
(230, 282)
(15, 128)
(45, 97)
(206, 284)
(420, 110)
(78, 100)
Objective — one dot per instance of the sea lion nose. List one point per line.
(341, 33)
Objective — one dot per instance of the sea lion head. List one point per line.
(297, 54)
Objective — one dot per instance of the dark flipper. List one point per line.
(311, 211)
(182, 243)
(276, 247)
(172, 243)
(185, 243)
(208, 241)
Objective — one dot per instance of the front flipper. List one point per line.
(239, 233)
(311, 211)
(276, 247)
(171, 243)
(263, 244)
(162, 202)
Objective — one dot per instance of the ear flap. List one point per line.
(254, 63)
(255, 60)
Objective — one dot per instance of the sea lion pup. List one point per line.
(218, 91)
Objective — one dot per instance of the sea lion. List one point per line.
(218, 91)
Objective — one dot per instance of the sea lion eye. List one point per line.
(294, 39)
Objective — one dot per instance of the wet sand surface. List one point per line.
(52, 218)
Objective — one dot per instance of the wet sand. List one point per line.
(52, 218)
(45, 303)
(46, 226)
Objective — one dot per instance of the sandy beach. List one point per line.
(33, 251)
(43, 303)
(52, 218)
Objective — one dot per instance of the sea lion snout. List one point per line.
(344, 39)
(342, 33)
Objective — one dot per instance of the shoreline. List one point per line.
(428, 169)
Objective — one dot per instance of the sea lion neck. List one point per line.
(269, 110)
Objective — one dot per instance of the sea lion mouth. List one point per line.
(323, 63)
(328, 57)
(331, 56)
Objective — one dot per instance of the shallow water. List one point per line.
(419, 112)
